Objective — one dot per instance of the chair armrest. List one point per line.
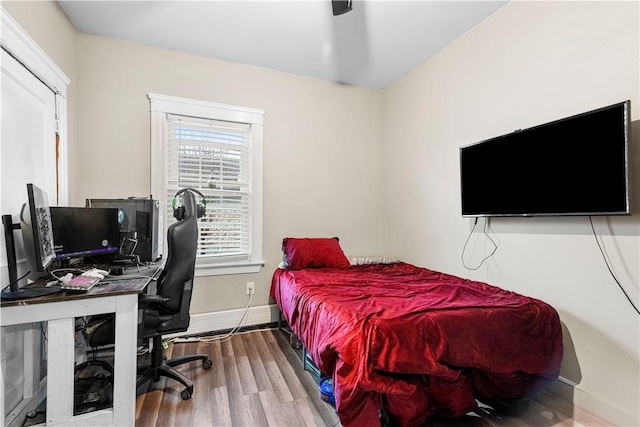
(151, 299)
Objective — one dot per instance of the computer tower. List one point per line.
(138, 219)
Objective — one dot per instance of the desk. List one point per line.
(60, 311)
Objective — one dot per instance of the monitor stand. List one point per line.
(28, 293)
(16, 292)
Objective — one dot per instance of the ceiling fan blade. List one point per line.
(341, 6)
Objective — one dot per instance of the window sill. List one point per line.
(243, 267)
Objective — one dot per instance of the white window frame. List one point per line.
(161, 105)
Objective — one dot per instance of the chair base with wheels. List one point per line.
(159, 367)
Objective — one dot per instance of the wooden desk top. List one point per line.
(130, 283)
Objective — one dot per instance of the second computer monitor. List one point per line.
(84, 232)
(37, 231)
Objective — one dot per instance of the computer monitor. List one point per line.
(84, 232)
(37, 235)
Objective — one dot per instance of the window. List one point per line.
(216, 149)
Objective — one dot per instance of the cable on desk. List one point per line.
(16, 281)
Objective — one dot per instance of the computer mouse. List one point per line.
(94, 272)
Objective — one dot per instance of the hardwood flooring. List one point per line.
(257, 379)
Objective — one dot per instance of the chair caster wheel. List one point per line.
(206, 364)
(185, 394)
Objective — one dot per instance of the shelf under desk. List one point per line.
(60, 311)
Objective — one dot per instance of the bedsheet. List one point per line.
(416, 341)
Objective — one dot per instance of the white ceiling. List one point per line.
(372, 46)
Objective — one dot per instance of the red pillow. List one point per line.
(314, 253)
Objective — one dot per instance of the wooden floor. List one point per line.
(257, 379)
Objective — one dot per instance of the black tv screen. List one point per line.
(83, 232)
(573, 166)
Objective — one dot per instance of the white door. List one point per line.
(27, 154)
(28, 141)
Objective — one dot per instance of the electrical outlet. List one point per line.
(251, 287)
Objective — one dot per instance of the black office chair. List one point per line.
(166, 311)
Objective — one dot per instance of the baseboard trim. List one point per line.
(206, 323)
(570, 392)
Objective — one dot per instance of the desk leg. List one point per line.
(124, 387)
(60, 360)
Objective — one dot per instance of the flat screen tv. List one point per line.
(578, 165)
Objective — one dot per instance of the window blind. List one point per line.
(213, 157)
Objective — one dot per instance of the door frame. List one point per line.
(18, 44)
(15, 40)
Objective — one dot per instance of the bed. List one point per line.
(409, 340)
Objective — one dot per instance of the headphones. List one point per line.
(179, 212)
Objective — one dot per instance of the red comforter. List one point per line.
(417, 342)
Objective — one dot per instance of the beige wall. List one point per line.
(529, 63)
(324, 144)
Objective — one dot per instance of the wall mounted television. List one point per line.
(578, 165)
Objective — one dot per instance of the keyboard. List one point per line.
(80, 283)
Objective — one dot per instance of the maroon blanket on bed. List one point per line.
(416, 341)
